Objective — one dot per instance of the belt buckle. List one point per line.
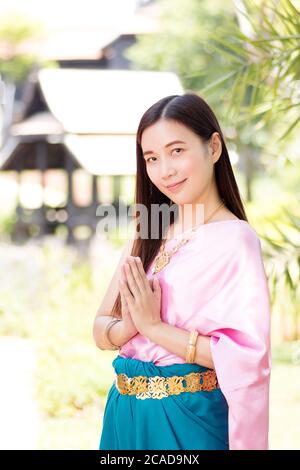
(156, 388)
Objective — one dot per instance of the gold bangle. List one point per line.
(191, 347)
(106, 333)
(190, 354)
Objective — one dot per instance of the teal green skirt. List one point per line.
(187, 421)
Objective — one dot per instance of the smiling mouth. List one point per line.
(176, 184)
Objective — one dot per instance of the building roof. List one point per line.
(104, 154)
(43, 123)
(88, 101)
(95, 114)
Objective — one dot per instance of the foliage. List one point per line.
(15, 31)
(284, 277)
(261, 76)
(248, 72)
(56, 309)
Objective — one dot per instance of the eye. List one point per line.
(178, 148)
(149, 159)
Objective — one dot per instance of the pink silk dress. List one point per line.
(216, 283)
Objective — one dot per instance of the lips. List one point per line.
(175, 184)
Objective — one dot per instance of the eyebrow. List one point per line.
(167, 145)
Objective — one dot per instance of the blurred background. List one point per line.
(76, 78)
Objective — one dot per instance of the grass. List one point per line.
(82, 430)
(285, 407)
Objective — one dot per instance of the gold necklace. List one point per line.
(163, 257)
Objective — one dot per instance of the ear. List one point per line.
(215, 146)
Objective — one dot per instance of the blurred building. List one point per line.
(75, 126)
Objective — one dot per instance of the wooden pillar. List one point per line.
(94, 202)
(94, 190)
(41, 159)
(19, 167)
(18, 232)
(69, 166)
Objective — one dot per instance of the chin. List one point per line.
(180, 200)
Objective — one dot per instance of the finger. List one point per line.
(141, 271)
(136, 273)
(156, 285)
(144, 279)
(124, 279)
(132, 284)
(152, 283)
(126, 293)
(123, 300)
(124, 304)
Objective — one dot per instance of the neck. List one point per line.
(197, 213)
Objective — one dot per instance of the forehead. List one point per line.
(164, 131)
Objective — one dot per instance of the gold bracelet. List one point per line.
(190, 354)
(191, 347)
(106, 333)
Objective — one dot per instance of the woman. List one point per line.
(189, 309)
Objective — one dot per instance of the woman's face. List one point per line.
(169, 161)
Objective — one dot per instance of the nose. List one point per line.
(167, 170)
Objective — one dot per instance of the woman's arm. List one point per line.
(118, 333)
(176, 340)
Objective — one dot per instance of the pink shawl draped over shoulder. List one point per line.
(216, 283)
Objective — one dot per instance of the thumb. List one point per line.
(157, 290)
(156, 284)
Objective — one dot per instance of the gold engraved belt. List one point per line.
(160, 387)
